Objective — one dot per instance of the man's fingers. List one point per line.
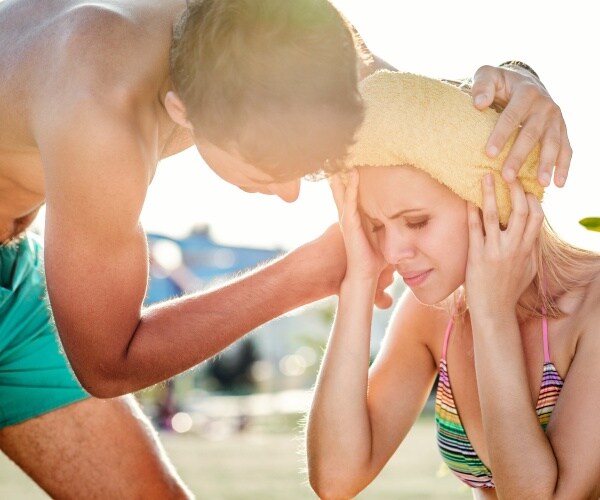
(529, 136)
(550, 148)
(484, 87)
(563, 161)
(508, 122)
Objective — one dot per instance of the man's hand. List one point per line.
(529, 108)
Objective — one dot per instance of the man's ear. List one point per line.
(176, 110)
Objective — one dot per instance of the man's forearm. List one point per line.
(176, 335)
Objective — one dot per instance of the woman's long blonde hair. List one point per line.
(565, 266)
(559, 263)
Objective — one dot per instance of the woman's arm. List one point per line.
(520, 455)
(573, 430)
(357, 418)
(563, 463)
(526, 462)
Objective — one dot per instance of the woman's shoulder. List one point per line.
(416, 331)
(590, 308)
(412, 317)
(584, 313)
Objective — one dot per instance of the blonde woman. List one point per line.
(496, 304)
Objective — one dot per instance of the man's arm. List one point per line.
(97, 265)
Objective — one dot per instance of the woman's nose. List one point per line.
(397, 247)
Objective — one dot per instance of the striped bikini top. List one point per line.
(453, 442)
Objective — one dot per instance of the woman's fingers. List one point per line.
(535, 218)
(383, 300)
(519, 212)
(351, 198)
(337, 190)
(476, 242)
(491, 222)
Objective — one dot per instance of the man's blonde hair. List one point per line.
(276, 80)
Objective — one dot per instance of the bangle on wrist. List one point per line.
(519, 64)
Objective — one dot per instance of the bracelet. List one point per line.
(520, 64)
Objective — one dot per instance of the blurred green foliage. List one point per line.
(591, 223)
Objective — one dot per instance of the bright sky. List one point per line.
(439, 39)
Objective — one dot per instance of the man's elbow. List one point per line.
(102, 382)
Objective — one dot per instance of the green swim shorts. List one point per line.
(35, 377)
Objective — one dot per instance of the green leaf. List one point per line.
(591, 223)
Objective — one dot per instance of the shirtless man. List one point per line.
(93, 95)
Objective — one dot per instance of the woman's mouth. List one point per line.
(415, 279)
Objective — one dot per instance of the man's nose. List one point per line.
(287, 191)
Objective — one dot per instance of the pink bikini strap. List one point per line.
(545, 334)
(459, 303)
(545, 323)
(447, 336)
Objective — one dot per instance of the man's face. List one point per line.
(232, 168)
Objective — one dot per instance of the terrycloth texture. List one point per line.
(432, 125)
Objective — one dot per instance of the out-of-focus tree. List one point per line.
(591, 223)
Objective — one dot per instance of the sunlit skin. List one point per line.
(363, 409)
(88, 111)
(232, 168)
(228, 163)
(419, 226)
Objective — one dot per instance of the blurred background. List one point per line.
(232, 425)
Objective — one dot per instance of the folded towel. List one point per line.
(432, 125)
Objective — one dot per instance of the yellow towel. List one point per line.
(432, 125)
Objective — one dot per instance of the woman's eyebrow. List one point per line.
(397, 214)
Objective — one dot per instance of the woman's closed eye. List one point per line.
(417, 224)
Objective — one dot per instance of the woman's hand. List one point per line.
(364, 260)
(501, 264)
(530, 110)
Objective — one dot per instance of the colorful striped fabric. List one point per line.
(453, 442)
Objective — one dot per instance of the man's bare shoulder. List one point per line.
(66, 54)
(67, 47)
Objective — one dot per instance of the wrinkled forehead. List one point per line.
(386, 190)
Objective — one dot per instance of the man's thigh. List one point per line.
(94, 449)
(35, 377)
(72, 445)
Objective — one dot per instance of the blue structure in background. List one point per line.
(184, 265)
(200, 262)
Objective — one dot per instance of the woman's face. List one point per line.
(420, 227)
